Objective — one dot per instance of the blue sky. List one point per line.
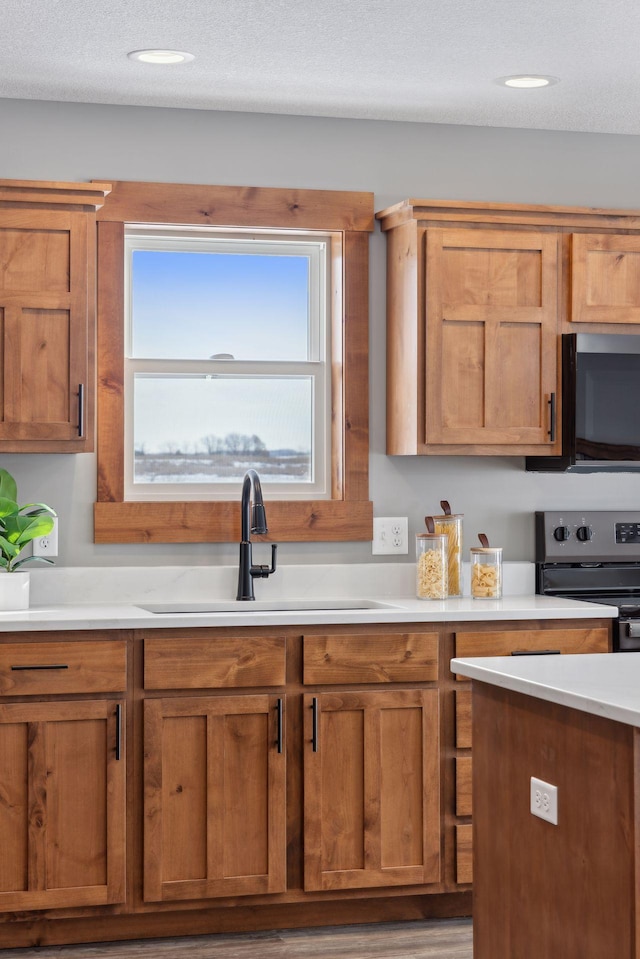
(193, 305)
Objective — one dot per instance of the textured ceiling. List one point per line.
(423, 60)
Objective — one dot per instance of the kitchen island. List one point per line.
(567, 890)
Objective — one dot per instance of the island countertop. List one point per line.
(597, 683)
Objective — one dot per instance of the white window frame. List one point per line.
(317, 247)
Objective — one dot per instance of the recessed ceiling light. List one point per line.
(161, 56)
(527, 81)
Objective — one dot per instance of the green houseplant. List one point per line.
(20, 525)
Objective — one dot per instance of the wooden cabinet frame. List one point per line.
(62, 826)
(214, 821)
(372, 789)
(348, 515)
(47, 315)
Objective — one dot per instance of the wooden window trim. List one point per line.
(348, 516)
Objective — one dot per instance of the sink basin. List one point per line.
(239, 606)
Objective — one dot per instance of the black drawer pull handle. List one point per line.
(45, 666)
(81, 410)
(535, 652)
(279, 736)
(314, 728)
(552, 418)
(118, 731)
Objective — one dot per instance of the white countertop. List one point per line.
(598, 683)
(108, 597)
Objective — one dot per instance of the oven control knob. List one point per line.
(561, 533)
(584, 533)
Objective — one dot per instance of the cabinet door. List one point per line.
(214, 806)
(605, 278)
(44, 304)
(62, 805)
(371, 789)
(491, 337)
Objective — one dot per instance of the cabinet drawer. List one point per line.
(464, 854)
(208, 663)
(463, 786)
(507, 642)
(463, 718)
(34, 669)
(370, 658)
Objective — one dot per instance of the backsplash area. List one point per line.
(104, 585)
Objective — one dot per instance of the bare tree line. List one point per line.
(232, 444)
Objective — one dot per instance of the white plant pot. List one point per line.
(14, 591)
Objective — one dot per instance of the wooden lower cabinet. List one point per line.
(214, 797)
(62, 804)
(273, 778)
(371, 789)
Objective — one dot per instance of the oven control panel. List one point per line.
(627, 532)
(594, 536)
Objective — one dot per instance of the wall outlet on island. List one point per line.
(47, 545)
(544, 800)
(390, 535)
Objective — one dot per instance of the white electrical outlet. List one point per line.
(390, 535)
(47, 545)
(544, 800)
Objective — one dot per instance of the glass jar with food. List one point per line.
(451, 525)
(431, 566)
(486, 570)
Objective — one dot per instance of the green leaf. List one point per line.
(37, 509)
(8, 486)
(30, 559)
(8, 506)
(38, 526)
(8, 549)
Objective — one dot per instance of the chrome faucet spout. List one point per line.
(253, 520)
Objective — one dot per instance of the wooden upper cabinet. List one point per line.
(473, 313)
(491, 326)
(605, 278)
(47, 315)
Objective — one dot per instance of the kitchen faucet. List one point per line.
(254, 520)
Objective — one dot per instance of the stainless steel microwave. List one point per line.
(600, 405)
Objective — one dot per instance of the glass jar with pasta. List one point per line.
(431, 566)
(486, 572)
(451, 525)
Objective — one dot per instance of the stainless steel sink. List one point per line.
(235, 606)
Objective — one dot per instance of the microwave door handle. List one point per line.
(552, 418)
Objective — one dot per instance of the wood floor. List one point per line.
(435, 939)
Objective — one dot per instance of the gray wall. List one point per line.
(65, 141)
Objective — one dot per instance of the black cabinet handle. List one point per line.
(314, 728)
(81, 410)
(279, 716)
(43, 666)
(118, 731)
(535, 652)
(552, 418)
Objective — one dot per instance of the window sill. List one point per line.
(219, 522)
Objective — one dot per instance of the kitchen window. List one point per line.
(226, 346)
(292, 351)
